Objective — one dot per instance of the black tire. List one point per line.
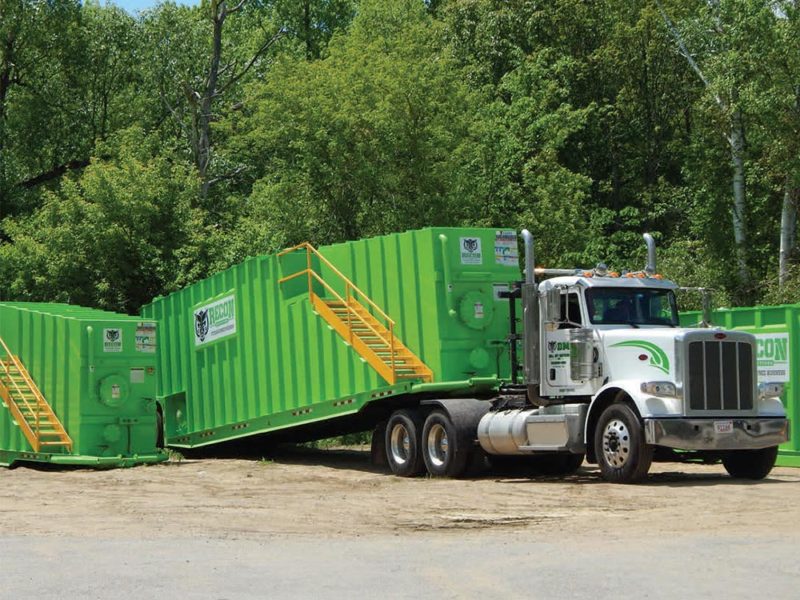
(750, 464)
(445, 447)
(622, 454)
(377, 452)
(402, 443)
(159, 428)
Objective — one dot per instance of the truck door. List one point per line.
(556, 374)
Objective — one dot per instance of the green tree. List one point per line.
(114, 237)
(367, 140)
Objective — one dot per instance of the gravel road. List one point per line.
(325, 524)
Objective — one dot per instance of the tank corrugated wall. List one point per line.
(284, 365)
(777, 329)
(53, 344)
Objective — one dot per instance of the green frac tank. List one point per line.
(308, 336)
(777, 331)
(78, 386)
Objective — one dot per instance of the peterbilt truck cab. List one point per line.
(610, 373)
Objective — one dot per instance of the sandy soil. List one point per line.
(337, 493)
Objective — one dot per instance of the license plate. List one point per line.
(723, 426)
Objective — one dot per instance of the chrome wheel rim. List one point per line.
(616, 443)
(400, 444)
(438, 445)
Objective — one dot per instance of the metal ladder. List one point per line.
(31, 411)
(361, 322)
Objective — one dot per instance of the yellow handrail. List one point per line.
(21, 371)
(310, 249)
(349, 289)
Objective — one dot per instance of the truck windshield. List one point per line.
(625, 306)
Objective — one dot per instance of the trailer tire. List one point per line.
(622, 454)
(377, 451)
(402, 442)
(445, 447)
(750, 464)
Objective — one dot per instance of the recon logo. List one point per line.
(201, 325)
(551, 346)
(658, 358)
(470, 244)
(215, 320)
(112, 335)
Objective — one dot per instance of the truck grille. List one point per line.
(720, 376)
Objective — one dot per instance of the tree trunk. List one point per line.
(791, 196)
(739, 202)
(203, 153)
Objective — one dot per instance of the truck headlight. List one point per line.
(665, 389)
(769, 390)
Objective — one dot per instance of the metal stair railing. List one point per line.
(352, 294)
(32, 434)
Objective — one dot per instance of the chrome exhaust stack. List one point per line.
(650, 269)
(530, 308)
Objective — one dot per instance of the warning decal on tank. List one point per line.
(145, 337)
(505, 248)
(215, 321)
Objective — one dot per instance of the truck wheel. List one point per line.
(444, 448)
(750, 464)
(403, 443)
(622, 454)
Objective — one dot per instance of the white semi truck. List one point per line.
(609, 376)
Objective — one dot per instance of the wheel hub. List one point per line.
(438, 445)
(616, 443)
(400, 445)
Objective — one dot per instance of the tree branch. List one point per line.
(54, 173)
(264, 47)
(686, 54)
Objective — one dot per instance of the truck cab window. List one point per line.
(570, 311)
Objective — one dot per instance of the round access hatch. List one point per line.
(476, 309)
(113, 390)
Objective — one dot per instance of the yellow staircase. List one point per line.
(361, 322)
(31, 412)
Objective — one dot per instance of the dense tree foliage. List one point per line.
(141, 152)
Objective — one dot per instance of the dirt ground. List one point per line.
(328, 493)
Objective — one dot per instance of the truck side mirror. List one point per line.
(553, 305)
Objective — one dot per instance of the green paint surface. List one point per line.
(285, 367)
(102, 388)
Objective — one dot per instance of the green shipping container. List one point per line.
(78, 386)
(777, 331)
(250, 350)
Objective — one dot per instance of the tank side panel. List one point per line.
(282, 356)
(102, 387)
(407, 275)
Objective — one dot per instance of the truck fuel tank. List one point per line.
(524, 431)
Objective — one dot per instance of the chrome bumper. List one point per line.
(705, 434)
